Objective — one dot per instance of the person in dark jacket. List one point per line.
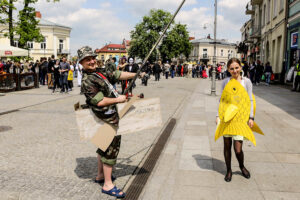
(157, 70)
(131, 67)
(268, 72)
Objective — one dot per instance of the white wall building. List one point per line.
(203, 51)
(56, 40)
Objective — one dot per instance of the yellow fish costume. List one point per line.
(234, 112)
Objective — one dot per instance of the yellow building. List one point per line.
(203, 51)
(56, 40)
(267, 35)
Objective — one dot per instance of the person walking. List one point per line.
(234, 67)
(157, 70)
(56, 75)
(268, 72)
(70, 76)
(259, 72)
(79, 74)
(64, 70)
(133, 68)
(297, 78)
(252, 72)
(167, 69)
(173, 70)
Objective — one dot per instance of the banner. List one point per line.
(294, 40)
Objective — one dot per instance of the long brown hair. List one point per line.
(232, 60)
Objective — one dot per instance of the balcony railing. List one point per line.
(63, 51)
(256, 2)
(255, 31)
(249, 9)
(204, 56)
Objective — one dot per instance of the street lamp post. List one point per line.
(213, 81)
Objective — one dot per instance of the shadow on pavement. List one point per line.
(87, 168)
(217, 165)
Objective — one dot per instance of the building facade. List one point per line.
(266, 33)
(293, 43)
(203, 51)
(112, 50)
(56, 40)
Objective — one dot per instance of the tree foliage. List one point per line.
(146, 33)
(26, 28)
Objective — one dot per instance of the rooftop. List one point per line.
(44, 22)
(209, 40)
(112, 48)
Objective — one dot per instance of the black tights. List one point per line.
(238, 153)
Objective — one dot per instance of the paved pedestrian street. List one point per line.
(42, 156)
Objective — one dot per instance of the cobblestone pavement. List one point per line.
(41, 155)
(192, 166)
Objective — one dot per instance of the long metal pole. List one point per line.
(213, 81)
(153, 48)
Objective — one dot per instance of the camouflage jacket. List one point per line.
(95, 89)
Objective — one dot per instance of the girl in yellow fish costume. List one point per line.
(236, 116)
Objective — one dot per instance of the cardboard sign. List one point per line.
(136, 115)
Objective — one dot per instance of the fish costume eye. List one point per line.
(234, 90)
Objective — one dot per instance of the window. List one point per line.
(222, 52)
(110, 56)
(204, 53)
(229, 54)
(16, 43)
(30, 45)
(281, 5)
(43, 44)
(275, 8)
(61, 44)
(102, 57)
(264, 16)
(269, 11)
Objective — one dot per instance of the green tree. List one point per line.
(6, 9)
(146, 33)
(176, 43)
(27, 26)
(6, 16)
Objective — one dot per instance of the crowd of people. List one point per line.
(56, 73)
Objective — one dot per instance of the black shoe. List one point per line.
(245, 173)
(101, 181)
(228, 176)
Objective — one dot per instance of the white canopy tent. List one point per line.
(9, 51)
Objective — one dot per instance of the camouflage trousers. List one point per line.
(109, 157)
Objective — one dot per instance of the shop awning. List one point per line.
(9, 51)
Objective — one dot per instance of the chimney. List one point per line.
(38, 14)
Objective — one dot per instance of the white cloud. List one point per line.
(102, 24)
(142, 7)
(93, 27)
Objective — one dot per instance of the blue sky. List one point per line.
(97, 22)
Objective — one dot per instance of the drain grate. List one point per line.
(143, 174)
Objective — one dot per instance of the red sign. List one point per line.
(8, 52)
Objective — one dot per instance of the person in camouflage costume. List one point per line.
(102, 99)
